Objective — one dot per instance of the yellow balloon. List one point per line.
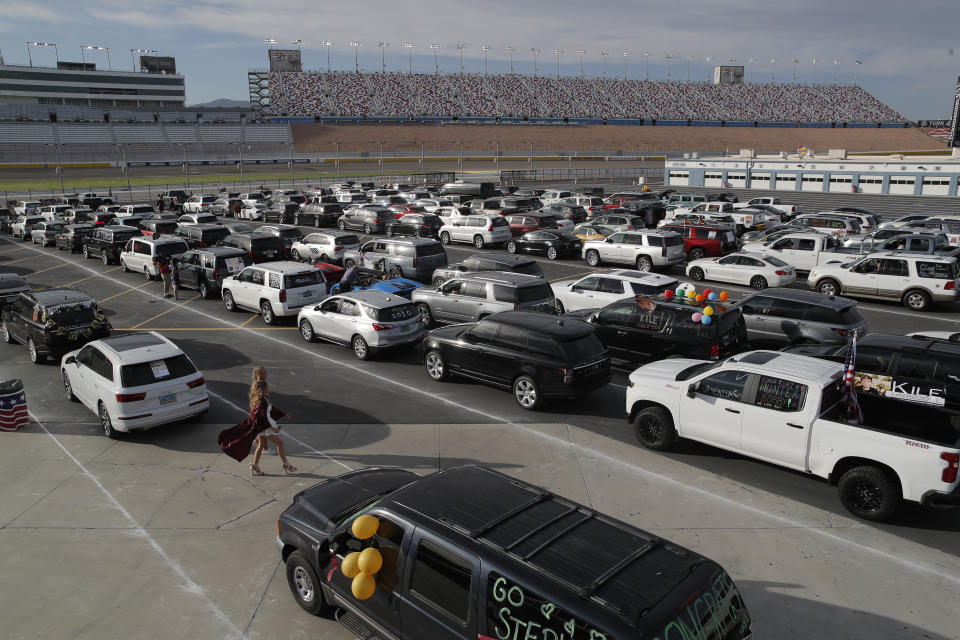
(351, 567)
(364, 527)
(370, 561)
(708, 311)
(691, 293)
(363, 586)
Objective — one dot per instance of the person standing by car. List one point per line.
(175, 277)
(236, 440)
(163, 266)
(236, 209)
(160, 204)
(349, 278)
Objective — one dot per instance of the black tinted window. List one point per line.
(583, 348)
(788, 309)
(916, 366)
(430, 250)
(533, 294)
(485, 332)
(442, 578)
(135, 375)
(511, 337)
(305, 279)
(823, 314)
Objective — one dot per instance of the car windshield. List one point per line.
(697, 369)
(142, 373)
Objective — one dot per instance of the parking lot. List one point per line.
(160, 535)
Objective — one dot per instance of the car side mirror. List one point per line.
(70, 360)
(610, 240)
(691, 390)
(316, 308)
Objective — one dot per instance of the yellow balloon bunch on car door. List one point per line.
(360, 566)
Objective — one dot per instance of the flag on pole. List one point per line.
(849, 395)
(13, 406)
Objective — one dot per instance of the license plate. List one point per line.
(168, 398)
(269, 254)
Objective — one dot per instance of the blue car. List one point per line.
(369, 280)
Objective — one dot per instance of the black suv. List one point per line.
(204, 269)
(488, 262)
(418, 225)
(71, 236)
(261, 247)
(53, 321)
(286, 232)
(637, 335)
(199, 236)
(470, 552)
(97, 218)
(536, 355)
(325, 214)
(108, 242)
(11, 285)
(6, 219)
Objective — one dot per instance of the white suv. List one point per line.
(476, 230)
(141, 253)
(555, 195)
(134, 381)
(600, 288)
(135, 209)
(54, 212)
(324, 246)
(274, 289)
(199, 204)
(642, 249)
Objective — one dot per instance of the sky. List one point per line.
(906, 49)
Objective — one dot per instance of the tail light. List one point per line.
(338, 248)
(629, 226)
(780, 272)
(202, 244)
(567, 374)
(131, 397)
(381, 327)
(490, 228)
(250, 253)
(953, 463)
(842, 332)
(193, 384)
(714, 351)
(950, 285)
(283, 295)
(216, 274)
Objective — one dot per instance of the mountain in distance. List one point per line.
(222, 103)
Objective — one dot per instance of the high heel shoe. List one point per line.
(255, 470)
(288, 469)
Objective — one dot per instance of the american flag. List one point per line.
(13, 411)
(849, 395)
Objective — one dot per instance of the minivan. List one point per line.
(141, 254)
(469, 552)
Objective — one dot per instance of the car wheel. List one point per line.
(390, 231)
(228, 301)
(829, 287)
(696, 253)
(296, 220)
(204, 289)
(306, 330)
(552, 253)
(304, 585)
(438, 281)
(316, 221)
(395, 272)
(527, 393)
(367, 230)
(478, 242)
(916, 300)
(341, 225)
(360, 348)
(416, 233)
(697, 273)
(424, 310)
(67, 387)
(444, 238)
(123, 265)
(35, 356)
(105, 423)
(644, 264)
(593, 257)
(559, 307)
(654, 428)
(146, 274)
(869, 493)
(511, 247)
(86, 252)
(7, 336)
(324, 257)
(758, 282)
(266, 310)
(436, 366)
(105, 258)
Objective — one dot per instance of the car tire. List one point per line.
(146, 274)
(552, 253)
(444, 238)
(758, 282)
(35, 356)
(324, 257)
(205, 290)
(654, 428)
(829, 287)
(306, 331)
(86, 252)
(7, 336)
(424, 310)
(390, 231)
(436, 366)
(696, 253)
(123, 265)
(105, 422)
(697, 274)
(869, 493)
(438, 281)
(367, 229)
(341, 225)
(296, 220)
(644, 263)
(593, 258)
(67, 387)
(526, 392)
(916, 300)
(478, 241)
(559, 307)
(305, 586)
(511, 247)
(105, 258)
(416, 233)
(360, 348)
(295, 255)
(395, 271)
(266, 310)
(228, 301)
(316, 221)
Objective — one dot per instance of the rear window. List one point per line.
(289, 233)
(170, 248)
(207, 218)
(640, 288)
(211, 235)
(937, 270)
(143, 209)
(136, 375)
(71, 315)
(347, 240)
(266, 244)
(672, 240)
(502, 222)
(847, 316)
(583, 348)
(533, 294)
(166, 227)
(395, 314)
(433, 249)
(530, 268)
(305, 279)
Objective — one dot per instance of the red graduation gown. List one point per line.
(236, 441)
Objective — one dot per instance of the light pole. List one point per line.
(646, 66)
(534, 51)
(773, 61)
(240, 151)
(836, 68)
(126, 169)
(626, 54)
(707, 61)
(460, 48)
(857, 63)
(133, 61)
(186, 173)
(460, 142)
(383, 55)
(795, 62)
(689, 62)
(485, 48)
(436, 65)
(356, 64)
(530, 160)
(581, 52)
(409, 47)
(669, 57)
(603, 56)
(381, 153)
(328, 44)
(815, 61)
(56, 148)
(496, 154)
(511, 50)
(559, 52)
(42, 44)
(92, 47)
(338, 143)
(750, 61)
(421, 151)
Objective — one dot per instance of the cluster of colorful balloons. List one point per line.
(688, 292)
(360, 566)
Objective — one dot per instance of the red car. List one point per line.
(331, 272)
(401, 210)
(521, 223)
(705, 240)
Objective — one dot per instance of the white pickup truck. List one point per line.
(745, 219)
(787, 410)
(103, 199)
(788, 210)
(805, 250)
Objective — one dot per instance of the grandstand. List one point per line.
(339, 94)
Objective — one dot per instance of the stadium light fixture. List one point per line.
(460, 48)
(485, 48)
(327, 44)
(356, 64)
(298, 44)
(270, 41)
(132, 57)
(408, 46)
(857, 63)
(511, 50)
(646, 66)
(496, 156)
(773, 61)
(93, 47)
(626, 54)
(707, 60)
(581, 52)
(336, 142)
(603, 56)
(836, 68)
(689, 62)
(383, 55)
(42, 44)
(669, 57)
(795, 62)
(460, 142)
(815, 61)
(419, 142)
(750, 61)
(559, 53)
(381, 143)
(436, 65)
(534, 51)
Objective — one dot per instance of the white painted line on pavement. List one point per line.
(189, 585)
